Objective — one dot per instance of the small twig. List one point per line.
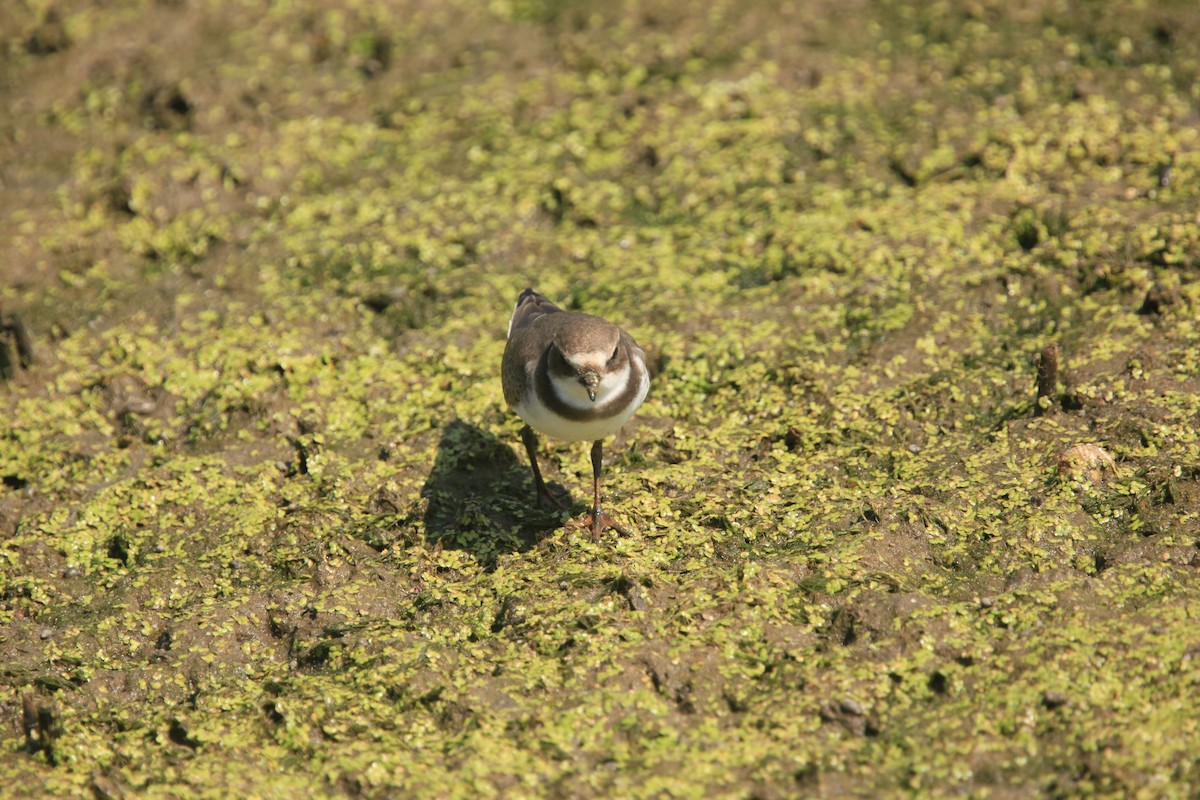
(24, 343)
(12, 328)
(42, 727)
(1047, 380)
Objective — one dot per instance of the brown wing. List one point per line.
(525, 343)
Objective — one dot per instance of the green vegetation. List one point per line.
(266, 528)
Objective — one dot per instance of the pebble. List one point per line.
(1054, 699)
(852, 707)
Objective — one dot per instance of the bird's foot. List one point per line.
(548, 501)
(596, 522)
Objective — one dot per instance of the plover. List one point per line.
(573, 377)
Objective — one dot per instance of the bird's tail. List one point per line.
(530, 306)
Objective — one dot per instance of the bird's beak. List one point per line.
(590, 381)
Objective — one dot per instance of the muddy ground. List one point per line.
(266, 527)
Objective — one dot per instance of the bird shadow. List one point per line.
(479, 497)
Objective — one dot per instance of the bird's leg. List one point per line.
(545, 500)
(597, 521)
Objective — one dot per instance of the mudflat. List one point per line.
(914, 500)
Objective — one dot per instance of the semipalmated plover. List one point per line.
(573, 377)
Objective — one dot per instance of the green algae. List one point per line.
(266, 523)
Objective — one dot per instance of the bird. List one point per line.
(574, 377)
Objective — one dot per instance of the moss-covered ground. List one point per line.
(266, 527)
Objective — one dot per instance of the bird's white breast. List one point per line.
(572, 393)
